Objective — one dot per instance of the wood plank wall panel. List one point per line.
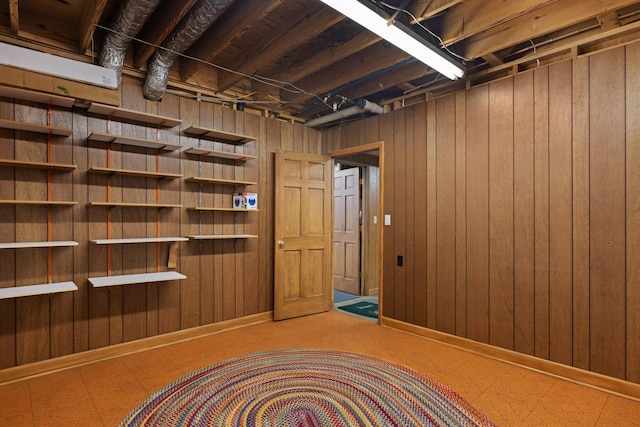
(478, 214)
(560, 214)
(32, 314)
(410, 260)
(580, 125)
(420, 207)
(546, 190)
(446, 213)
(501, 213)
(607, 212)
(633, 213)
(398, 218)
(541, 212)
(523, 213)
(431, 216)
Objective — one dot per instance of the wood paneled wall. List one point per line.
(225, 279)
(516, 206)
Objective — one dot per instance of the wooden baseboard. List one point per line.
(601, 382)
(22, 372)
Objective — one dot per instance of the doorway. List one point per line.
(357, 244)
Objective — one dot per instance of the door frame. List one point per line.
(379, 145)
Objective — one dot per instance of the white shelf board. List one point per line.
(218, 135)
(30, 290)
(131, 279)
(204, 209)
(44, 244)
(221, 236)
(203, 152)
(133, 141)
(123, 113)
(138, 240)
(205, 180)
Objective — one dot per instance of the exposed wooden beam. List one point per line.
(493, 59)
(608, 21)
(14, 17)
(240, 18)
(400, 76)
(91, 13)
(161, 28)
(425, 9)
(375, 58)
(474, 16)
(302, 27)
(326, 57)
(543, 21)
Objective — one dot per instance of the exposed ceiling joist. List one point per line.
(424, 9)
(91, 13)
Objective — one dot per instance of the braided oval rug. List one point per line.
(305, 388)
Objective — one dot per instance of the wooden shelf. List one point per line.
(41, 97)
(221, 236)
(134, 205)
(30, 290)
(128, 172)
(197, 208)
(138, 240)
(131, 279)
(33, 127)
(123, 113)
(44, 244)
(203, 152)
(218, 135)
(130, 140)
(36, 165)
(203, 180)
(38, 202)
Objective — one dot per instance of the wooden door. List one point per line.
(346, 230)
(302, 234)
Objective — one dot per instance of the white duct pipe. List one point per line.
(362, 105)
(130, 18)
(199, 18)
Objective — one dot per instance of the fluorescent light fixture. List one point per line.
(397, 35)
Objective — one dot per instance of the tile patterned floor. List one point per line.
(102, 393)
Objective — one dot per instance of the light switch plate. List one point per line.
(387, 219)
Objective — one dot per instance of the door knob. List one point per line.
(281, 243)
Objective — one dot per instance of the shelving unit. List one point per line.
(225, 138)
(160, 146)
(49, 130)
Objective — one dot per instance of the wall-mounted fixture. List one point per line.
(398, 35)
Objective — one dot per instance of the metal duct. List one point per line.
(200, 17)
(130, 18)
(361, 106)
